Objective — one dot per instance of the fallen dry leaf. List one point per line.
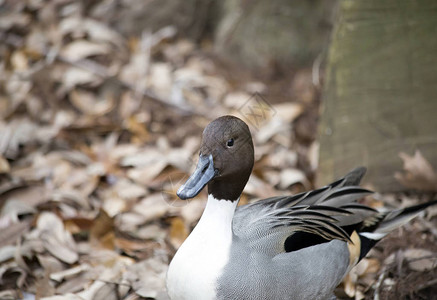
(97, 31)
(88, 103)
(75, 76)
(67, 296)
(288, 111)
(102, 231)
(151, 207)
(289, 177)
(56, 239)
(68, 273)
(80, 49)
(50, 264)
(236, 99)
(420, 259)
(367, 266)
(419, 173)
(10, 232)
(147, 277)
(269, 129)
(4, 165)
(178, 232)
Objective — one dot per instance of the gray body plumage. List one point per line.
(304, 274)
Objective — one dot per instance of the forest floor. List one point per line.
(98, 131)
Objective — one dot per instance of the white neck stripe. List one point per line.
(204, 253)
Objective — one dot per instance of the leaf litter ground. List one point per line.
(97, 132)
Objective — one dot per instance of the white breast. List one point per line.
(198, 263)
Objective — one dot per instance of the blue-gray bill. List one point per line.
(202, 175)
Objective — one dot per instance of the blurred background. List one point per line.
(102, 106)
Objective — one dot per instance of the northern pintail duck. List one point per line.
(286, 247)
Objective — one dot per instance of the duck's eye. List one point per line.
(230, 143)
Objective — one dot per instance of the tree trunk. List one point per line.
(380, 96)
(264, 35)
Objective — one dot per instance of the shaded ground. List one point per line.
(97, 132)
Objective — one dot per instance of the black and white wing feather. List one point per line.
(323, 214)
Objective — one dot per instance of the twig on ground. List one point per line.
(379, 282)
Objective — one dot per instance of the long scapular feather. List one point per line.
(345, 195)
(399, 217)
